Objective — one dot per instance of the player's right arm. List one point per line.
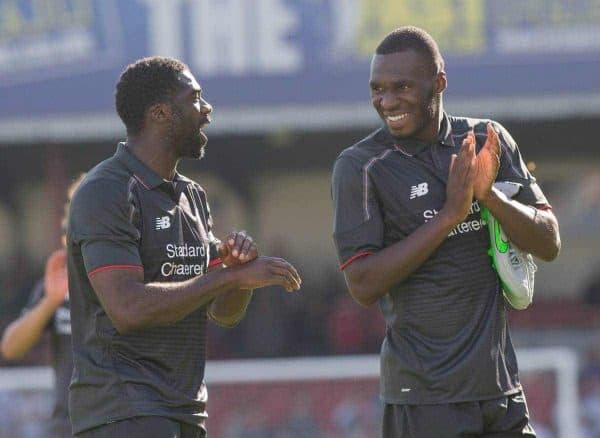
(102, 231)
(132, 305)
(370, 277)
(23, 333)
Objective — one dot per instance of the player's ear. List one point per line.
(440, 82)
(159, 113)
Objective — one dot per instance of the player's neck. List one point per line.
(155, 153)
(432, 132)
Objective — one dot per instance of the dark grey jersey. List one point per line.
(124, 216)
(59, 327)
(447, 337)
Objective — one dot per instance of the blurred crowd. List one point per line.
(321, 319)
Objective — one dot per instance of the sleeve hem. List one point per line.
(110, 267)
(215, 262)
(353, 258)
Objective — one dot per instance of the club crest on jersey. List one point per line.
(419, 190)
(163, 223)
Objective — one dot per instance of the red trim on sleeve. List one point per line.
(109, 267)
(214, 262)
(544, 207)
(354, 257)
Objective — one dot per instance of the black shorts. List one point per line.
(503, 417)
(145, 427)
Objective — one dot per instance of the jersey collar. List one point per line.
(146, 176)
(445, 136)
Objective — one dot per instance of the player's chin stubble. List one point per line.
(195, 146)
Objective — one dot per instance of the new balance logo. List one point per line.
(419, 190)
(162, 223)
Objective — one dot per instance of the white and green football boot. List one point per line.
(515, 268)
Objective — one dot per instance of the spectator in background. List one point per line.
(591, 293)
(590, 392)
(47, 310)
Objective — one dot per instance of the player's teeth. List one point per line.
(396, 118)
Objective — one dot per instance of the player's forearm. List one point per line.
(369, 278)
(22, 334)
(141, 306)
(229, 308)
(532, 230)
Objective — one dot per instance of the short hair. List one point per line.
(412, 38)
(144, 83)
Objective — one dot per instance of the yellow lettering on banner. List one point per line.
(44, 16)
(11, 20)
(457, 26)
(560, 13)
(594, 13)
(83, 13)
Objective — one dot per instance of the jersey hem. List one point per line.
(406, 401)
(183, 418)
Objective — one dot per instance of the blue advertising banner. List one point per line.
(290, 59)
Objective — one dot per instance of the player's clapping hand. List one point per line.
(487, 165)
(461, 176)
(238, 248)
(56, 282)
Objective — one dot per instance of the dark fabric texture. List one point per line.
(145, 427)
(505, 417)
(59, 327)
(447, 337)
(125, 216)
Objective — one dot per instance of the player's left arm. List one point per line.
(228, 309)
(532, 228)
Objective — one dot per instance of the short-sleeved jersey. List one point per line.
(125, 216)
(59, 327)
(447, 337)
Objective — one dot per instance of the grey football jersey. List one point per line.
(124, 216)
(447, 337)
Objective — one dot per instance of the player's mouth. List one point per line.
(396, 121)
(201, 132)
(204, 122)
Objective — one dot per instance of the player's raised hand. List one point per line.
(56, 283)
(488, 163)
(238, 248)
(269, 271)
(459, 189)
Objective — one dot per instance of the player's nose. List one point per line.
(388, 101)
(206, 107)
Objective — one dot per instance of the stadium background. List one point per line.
(288, 80)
